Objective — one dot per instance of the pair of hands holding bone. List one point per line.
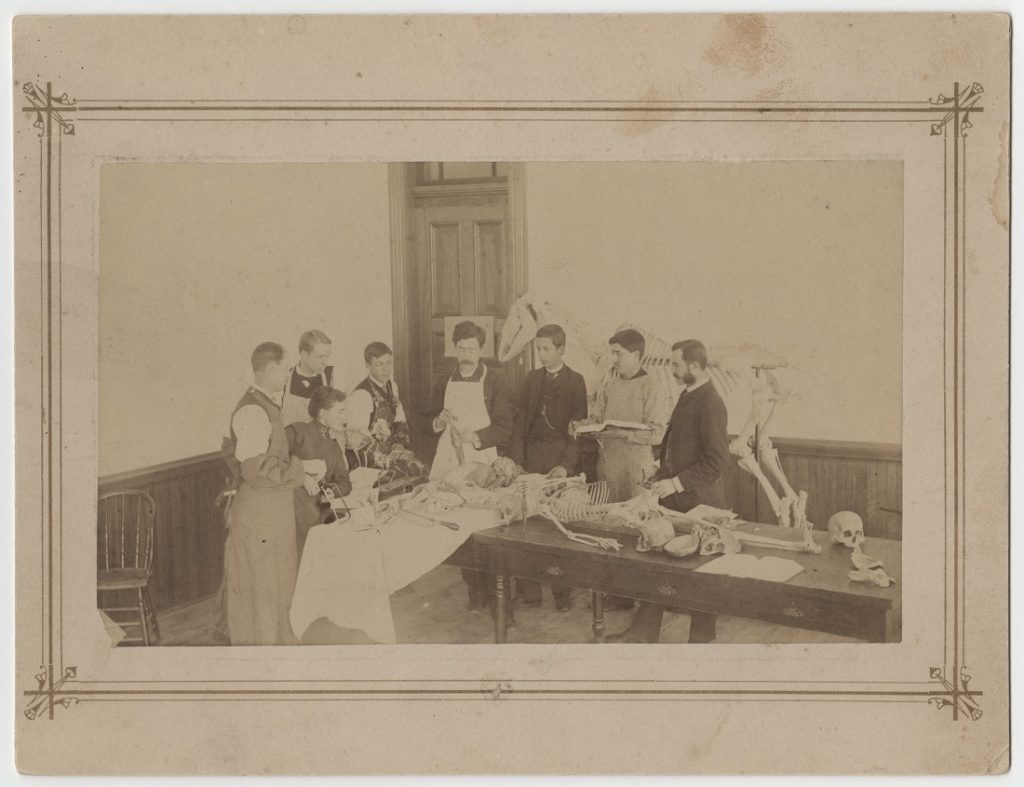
(662, 488)
(315, 470)
(447, 418)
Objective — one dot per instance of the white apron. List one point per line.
(466, 402)
(296, 408)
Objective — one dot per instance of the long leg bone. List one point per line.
(770, 459)
(749, 463)
(581, 538)
(807, 544)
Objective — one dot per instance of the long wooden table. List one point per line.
(822, 597)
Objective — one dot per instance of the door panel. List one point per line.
(445, 255)
(492, 281)
(460, 265)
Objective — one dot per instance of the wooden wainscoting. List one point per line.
(189, 547)
(838, 476)
(188, 550)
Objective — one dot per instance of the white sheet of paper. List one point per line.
(772, 569)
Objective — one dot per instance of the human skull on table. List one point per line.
(655, 532)
(846, 528)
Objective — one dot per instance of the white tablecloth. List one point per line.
(348, 573)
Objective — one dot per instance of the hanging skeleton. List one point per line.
(730, 371)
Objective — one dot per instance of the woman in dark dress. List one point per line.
(316, 440)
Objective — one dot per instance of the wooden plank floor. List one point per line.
(433, 609)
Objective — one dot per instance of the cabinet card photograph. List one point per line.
(641, 376)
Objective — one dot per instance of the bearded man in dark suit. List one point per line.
(694, 453)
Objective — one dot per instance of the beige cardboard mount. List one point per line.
(930, 92)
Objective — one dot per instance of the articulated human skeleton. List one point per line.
(572, 499)
(730, 370)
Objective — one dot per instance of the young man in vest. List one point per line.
(260, 559)
(306, 376)
(375, 411)
(552, 397)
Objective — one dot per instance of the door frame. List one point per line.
(400, 199)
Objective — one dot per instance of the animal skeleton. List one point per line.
(729, 371)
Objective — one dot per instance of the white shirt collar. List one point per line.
(275, 398)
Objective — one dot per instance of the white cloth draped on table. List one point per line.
(348, 573)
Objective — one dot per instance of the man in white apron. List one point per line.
(472, 411)
(310, 373)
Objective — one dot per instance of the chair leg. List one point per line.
(152, 612)
(143, 618)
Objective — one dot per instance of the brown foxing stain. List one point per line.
(746, 44)
(999, 198)
(646, 124)
(780, 90)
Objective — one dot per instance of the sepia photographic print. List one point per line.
(469, 404)
(668, 251)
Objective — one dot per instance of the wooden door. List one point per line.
(461, 265)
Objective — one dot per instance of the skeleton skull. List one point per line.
(655, 532)
(510, 508)
(846, 528)
(504, 472)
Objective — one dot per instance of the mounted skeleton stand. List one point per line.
(753, 447)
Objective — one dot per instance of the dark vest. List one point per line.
(278, 437)
(384, 405)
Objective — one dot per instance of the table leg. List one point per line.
(499, 605)
(597, 602)
(702, 627)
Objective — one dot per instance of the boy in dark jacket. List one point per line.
(552, 397)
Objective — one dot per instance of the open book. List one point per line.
(772, 569)
(589, 428)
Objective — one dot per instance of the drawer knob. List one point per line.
(793, 611)
(555, 571)
(668, 590)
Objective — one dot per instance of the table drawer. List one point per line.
(774, 604)
(565, 570)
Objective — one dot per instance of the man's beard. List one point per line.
(687, 379)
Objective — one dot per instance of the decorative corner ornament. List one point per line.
(957, 695)
(44, 699)
(960, 107)
(46, 107)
